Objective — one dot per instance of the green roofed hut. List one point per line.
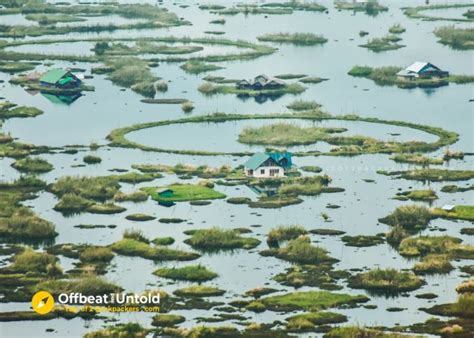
(59, 78)
(268, 165)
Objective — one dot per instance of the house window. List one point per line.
(273, 172)
(250, 172)
(262, 171)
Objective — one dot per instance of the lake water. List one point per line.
(90, 118)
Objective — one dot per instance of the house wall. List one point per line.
(266, 172)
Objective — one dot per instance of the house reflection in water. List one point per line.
(61, 99)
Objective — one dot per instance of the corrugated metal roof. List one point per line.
(416, 66)
(54, 75)
(277, 157)
(256, 160)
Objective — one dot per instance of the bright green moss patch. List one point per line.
(184, 192)
(32, 165)
(463, 212)
(386, 281)
(417, 195)
(310, 301)
(215, 239)
(199, 291)
(300, 251)
(299, 39)
(286, 134)
(134, 247)
(196, 273)
(424, 245)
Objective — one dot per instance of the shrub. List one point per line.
(410, 217)
(196, 273)
(96, 254)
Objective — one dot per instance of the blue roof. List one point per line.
(256, 160)
(279, 157)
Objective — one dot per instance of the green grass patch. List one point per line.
(140, 217)
(32, 165)
(417, 195)
(371, 7)
(133, 247)
(301, 251)
(386, 281)
(199, 291)
(195, 273)
(212, 89)
(362, 240)
(99, 188)
(410, 217)
(416, 12)
(51, 19)
(163, 241)
(462, 308)
(463, 212)
(91, 286)
(452, 188)
(166, 319)
(16, 67)
(397, 29)
(216, 239)
(416, 158)
(281, 234)
(91, 159)
(433, 175)
(286, 134)
(10, 110)
(184, 192)
(456, 38)
(136, 196)
(426, 245)
(198, 67)
(433, 264)
(299, 39)
(309, 321)
(310, 301)
(387, 76)
(381, 44)
(356, 331)
(302, 105)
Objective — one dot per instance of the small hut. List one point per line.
(59, 78)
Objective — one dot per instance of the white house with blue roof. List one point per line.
(420, 69)
(268, 165)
